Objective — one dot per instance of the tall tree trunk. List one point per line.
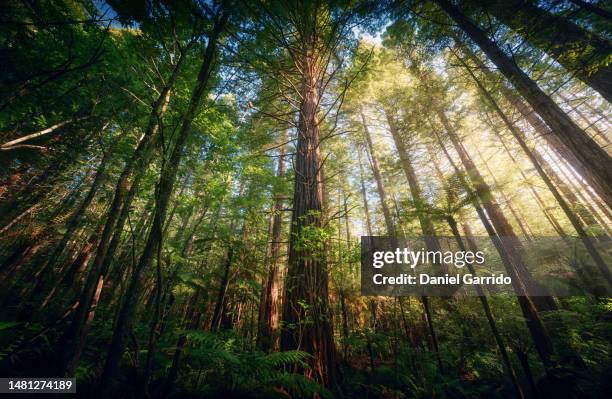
(539, 334)
(520, 220)
(578, 142)
(584, 118)
(503, 228)
(545, 210)
(569, 179)
(380, 185)
(191, 320)
(269, 304)
(164, 191)
(221, 302)
(72, 224)
(427, 227)
(452, 223)
(71, 342)
(482, 297)
(307, 275)
(581, 52)
(364, 196)
(588, 243)
(554, 141)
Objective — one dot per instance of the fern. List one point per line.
(230, 369)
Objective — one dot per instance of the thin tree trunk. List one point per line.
(215, 322)
(452, 223)
(588, 243)
(74, 221)
(584, 118)
(364, 195)
(581, 52)
(594, 9)
(193, 317)
(378, 177)
(561, 149)
(269, 304)
(71, 342)
(164, 191)
(578, 142)
(539, 334)
(503, 228)
(427, 227)
(522, 224)
(545, 210)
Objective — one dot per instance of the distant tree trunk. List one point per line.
(164, 191)
(579, 202)
(13, 265)
(378, 177)
(594, 9)
(579, 143)
(520, 221)
(584, 118)
(72, 340)
(539, 334)
(186, 251)
(307, 278)
(427, 227)
(269, 304)
(483, 299)
(364, 196)
(67, 275)
(545, 210)
(71, 227)
(30, 196)
(524, 361)
(588, 243)
(503, 228)
(580, 51)
(569, 179)
(191, 320)
(558, 146)
(452, 223)
(221, 303)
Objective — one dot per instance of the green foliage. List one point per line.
(232, 371)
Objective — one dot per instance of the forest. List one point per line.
(185, 186)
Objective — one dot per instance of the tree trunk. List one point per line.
(193, 317)
(588, 243)
(503, 228)
(561, 149)
(581, 52)
(220, 304)
(452, 223)
(380, 185)
(578, 142)
(307, 279)
(545, 210)
(364, 196)
(539, 334)
(164, 191)
(72, 224)
(71, 342)
(594, 9)
(520, 220)
(269, 304)
(427, 227)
